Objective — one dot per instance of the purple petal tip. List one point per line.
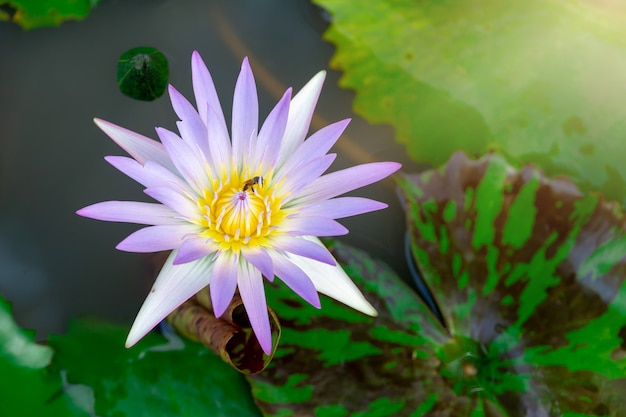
(394, 166)
(266, 345)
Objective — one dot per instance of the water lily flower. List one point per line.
(233, 211)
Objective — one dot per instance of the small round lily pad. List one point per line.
(142, 73)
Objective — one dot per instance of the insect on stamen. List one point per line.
(252, 182)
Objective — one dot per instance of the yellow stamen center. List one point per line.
(235, 214)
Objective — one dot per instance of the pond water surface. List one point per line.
(53, 82)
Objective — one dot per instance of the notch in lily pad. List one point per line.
(142, 73)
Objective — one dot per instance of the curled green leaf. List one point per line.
(230, 336)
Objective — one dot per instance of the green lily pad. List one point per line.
(530, 274)
(157, 377)
(142, 73)
(337, 362)
(540, 81)
(27, 387)
(31, 14)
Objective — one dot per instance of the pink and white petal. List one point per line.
(316, 145)
(195, 248)
(334, 282)
(205, 93)
(158, 238)
(140, 147)
(174, 285)
(259, 258)
(340, 207)
(223, 281)
(165, 177)
(131, 212)
(152, 174)
(191, 127)
(269, 140)
(312, 226)
(301, 176)
(133, 169)
(245, 119)
(219, 144)
(296, 279)
(193, 136)
(303, 247)
(339, 182)
(300, 113)
(250, 283)
(187, 161)
(177, 201)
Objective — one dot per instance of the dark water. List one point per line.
(53, 82)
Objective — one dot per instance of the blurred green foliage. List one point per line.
(541, 81)
(32, 14)
(89, 372)
(27, 387)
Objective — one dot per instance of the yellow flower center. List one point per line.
(240, 211)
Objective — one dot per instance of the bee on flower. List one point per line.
(252, 182)
(226, 225)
